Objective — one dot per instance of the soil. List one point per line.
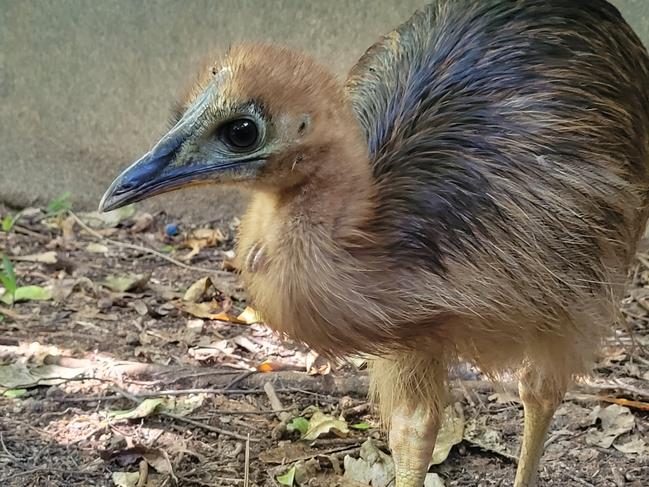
(103, 344)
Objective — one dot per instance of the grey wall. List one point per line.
(86, 86)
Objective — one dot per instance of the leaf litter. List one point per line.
(100, 373)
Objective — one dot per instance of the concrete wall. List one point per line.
(86, 86)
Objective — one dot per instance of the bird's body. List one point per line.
(475, 192)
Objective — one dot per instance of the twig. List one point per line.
(572, 477)
(278, 407)
(4, 447)
(246, 471)
(239, 378)
(144, 473)
(30, 233)
(140, 248)
(208, 427)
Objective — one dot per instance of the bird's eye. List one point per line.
(240, 134)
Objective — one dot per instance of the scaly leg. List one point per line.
(540, 400)
(412, 438)
(410, 389)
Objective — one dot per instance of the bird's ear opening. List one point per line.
(304, 125)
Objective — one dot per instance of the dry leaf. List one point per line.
(197, 291)
(479, 434)
(450, 434)
(635, 446)
(142, 410)
(249, 316)
(126, 479)
(17, 374)
(42, 258)
(317, 364)
(202, 238)
(321, 424)
(96, 248)
(206, 310)
(615, 421)
(142, 222)
(374, 467)
(122, 284)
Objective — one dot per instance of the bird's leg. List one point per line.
(540, 400)
(413, 431)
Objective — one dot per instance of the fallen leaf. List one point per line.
(433, 480)
(206, 310)
(635, 446)
(272, 366)
(249, 316)
(14, 393)
(373, 467)
(197, 291)
(298, 424)
(126, 479)
(183, 405)
(245, 343)
(200, 239)
(27, 293)
(321, 423)
(142, 410)
(42, 258)
(17, 375)
(479, 434)
(316, 364)
(122, 284)
(288, 478)
(142, 221)
(96, 248)
(450, 433)
(615, 421)
(159, 460)
(108, 219)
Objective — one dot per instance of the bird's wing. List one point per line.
(408, 93)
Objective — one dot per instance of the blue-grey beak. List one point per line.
(159, 171)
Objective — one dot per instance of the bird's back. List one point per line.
(510, 145)
(528, 119)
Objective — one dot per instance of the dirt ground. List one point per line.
(122, 367)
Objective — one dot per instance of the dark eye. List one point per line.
(240, 134)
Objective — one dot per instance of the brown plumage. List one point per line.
(475, 191)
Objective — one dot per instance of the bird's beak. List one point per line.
(163, 169)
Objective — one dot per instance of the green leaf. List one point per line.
(122, 284)
(288, 478)
(298, 424)
(8, 276)
(144, 409)
(59, 204)
(361, 426)
(8, 222)
(27, 293)
(14, 393)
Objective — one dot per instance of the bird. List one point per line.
(472, 192)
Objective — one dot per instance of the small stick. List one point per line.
(4, 447)
(144, 473)
(140, 248)
(277, 406)
(246, 472)
(208, 427)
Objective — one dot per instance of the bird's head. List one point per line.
(264, 117)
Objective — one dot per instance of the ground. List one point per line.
(115, 374)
